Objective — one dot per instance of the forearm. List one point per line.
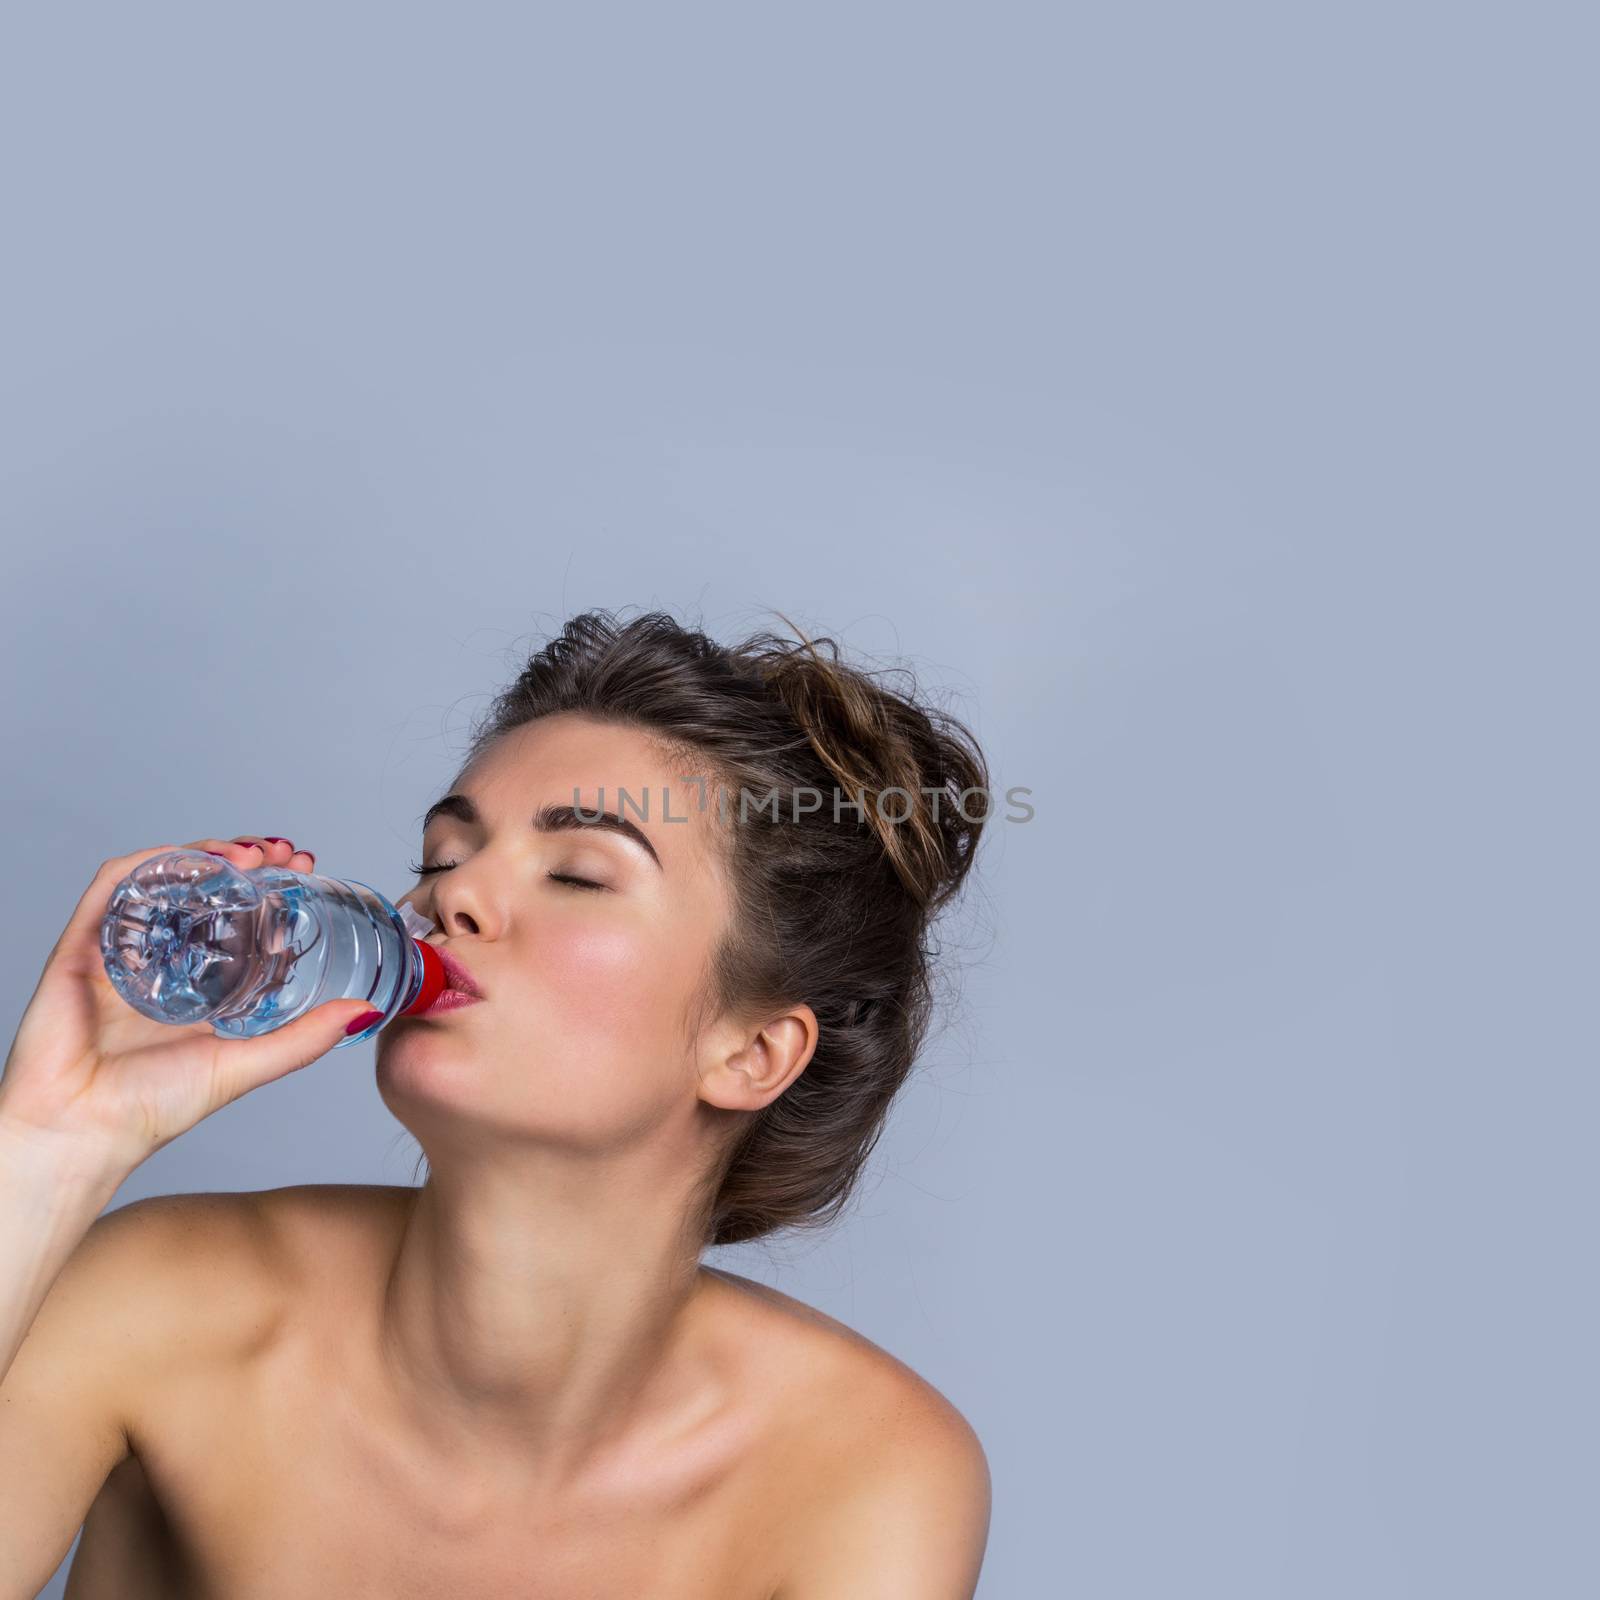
(50, 1194)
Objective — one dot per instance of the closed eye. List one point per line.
(422, 871)
(558, 877)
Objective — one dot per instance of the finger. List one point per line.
(274, 852)
(278, 852)
(239, 852)
(240, 1065)
(249, 850)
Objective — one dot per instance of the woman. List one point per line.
(695, 1003)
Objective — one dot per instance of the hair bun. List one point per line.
(911, 766)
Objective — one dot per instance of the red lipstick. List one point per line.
(446, 983)
(456, 977)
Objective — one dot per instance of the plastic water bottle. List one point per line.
(189, 937)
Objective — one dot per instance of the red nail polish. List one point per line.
(273, 839)
(363, 1022)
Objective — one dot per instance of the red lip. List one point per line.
(448, 1000)
(456, 977)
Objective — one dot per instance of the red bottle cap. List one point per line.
(432, 979)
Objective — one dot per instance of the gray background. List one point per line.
(1202, 397)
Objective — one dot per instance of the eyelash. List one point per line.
(557, 877)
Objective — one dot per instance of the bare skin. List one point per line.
(519, 1379)
(280, 1465)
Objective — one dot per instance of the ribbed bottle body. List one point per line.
(188, 937)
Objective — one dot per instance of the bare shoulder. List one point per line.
(850, 1378)
(153, 1294)
(224, 1264)
(327, 1244)
(159, 1293)
(193, 1255)
(900, 1489)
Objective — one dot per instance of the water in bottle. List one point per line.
(189, 937)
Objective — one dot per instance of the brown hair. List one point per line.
(832, 906)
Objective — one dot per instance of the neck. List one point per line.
(542, 1303)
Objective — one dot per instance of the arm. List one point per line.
(90, 1088)
(914, 1526)
(49, 1196)
(63, 1288)
(154, 1292)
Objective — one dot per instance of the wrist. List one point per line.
(59, 1160)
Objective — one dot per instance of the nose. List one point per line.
(469, 901)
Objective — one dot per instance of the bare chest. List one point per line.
(256, 1482)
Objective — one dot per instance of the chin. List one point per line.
(421, 1064)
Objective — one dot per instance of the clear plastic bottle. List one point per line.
(189, 937)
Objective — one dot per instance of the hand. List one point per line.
(90, 1076)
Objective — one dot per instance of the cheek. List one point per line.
(609, 981)
(604, 1046)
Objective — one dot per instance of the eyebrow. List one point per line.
(547, 819)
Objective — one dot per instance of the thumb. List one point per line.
(245, 1064)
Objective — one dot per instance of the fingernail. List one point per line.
(363, 1022)
(272, 838)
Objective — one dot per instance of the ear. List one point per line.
(745, 1068)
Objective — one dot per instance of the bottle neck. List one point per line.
(426, 982)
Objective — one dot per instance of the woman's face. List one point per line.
(581, 1035)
